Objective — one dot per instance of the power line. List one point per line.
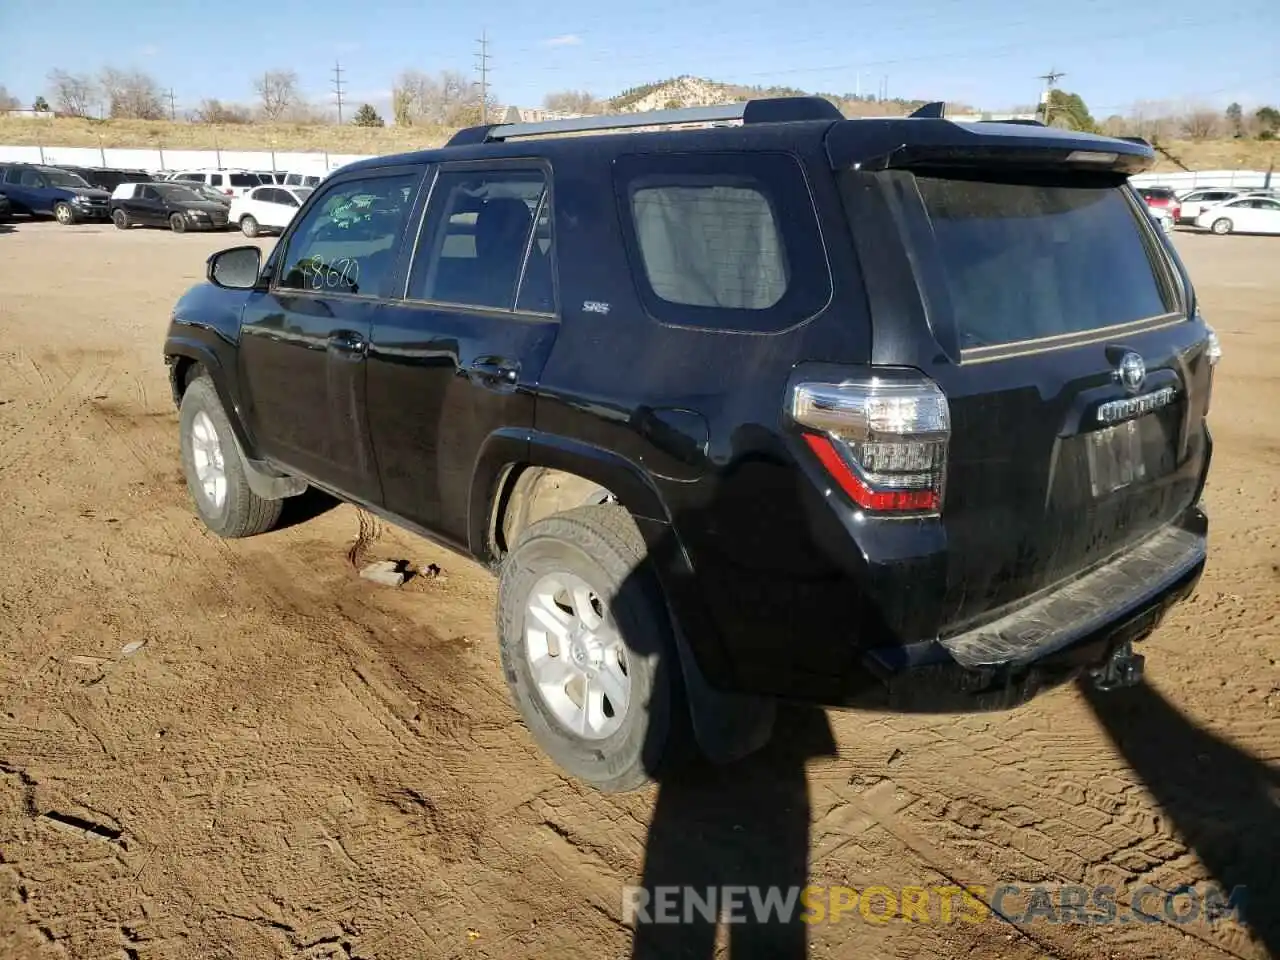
(338, 84)
(482, 65)
(173, 109)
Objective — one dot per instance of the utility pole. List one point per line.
(1050, 81)
(337, 87)
(173, 109)
(482, 65)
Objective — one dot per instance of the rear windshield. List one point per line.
(1024, 261)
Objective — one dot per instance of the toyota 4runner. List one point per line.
(859, 412)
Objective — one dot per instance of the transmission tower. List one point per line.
(1050, 81)
(173, 106)
(338, 84)
(482, 67)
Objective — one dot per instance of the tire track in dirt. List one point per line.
(53, 416)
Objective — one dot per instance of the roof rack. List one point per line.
(771, 110)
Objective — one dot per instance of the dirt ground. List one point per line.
(242, 750)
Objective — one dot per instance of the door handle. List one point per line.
(495, 371)
(348, 343)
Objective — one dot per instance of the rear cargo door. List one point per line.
(1056, 323)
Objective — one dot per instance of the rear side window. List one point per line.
(245, 180)
(1025, 261)
(723, 240)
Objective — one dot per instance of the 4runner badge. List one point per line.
(594, 306)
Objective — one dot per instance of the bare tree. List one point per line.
(131, 94)
(215, 111)
(446, 98)
(573, 102)
(8, 101)
(75, 93)
(278, 92)
(1201, 124)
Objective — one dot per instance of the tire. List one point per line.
(1222, 226)
(178, 223)
(598, 546)
(248, 226)
(63, 213)
(120, 219)
(239, 512)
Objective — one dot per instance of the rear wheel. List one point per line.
(1222, 226)
(120, 219)
(178, 223)
(63, 213)
(213, 468)
(248, 226)
(587, 648)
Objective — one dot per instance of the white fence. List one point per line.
(158, 158)
(1204, 178)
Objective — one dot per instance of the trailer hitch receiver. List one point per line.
(1122, 669)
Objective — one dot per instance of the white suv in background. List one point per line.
(267, 208)
(233, 183)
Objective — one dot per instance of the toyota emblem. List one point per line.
(1132, 372)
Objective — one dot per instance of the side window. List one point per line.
(243, 180)
(347, 242)
(475, 244)
(150, 193)
(728, 241)
(287, 198)
(32, 178)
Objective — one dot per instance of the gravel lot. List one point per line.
(242, 750)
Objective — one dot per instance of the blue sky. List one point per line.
(987, 53)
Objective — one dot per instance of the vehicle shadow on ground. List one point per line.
(1222, 801)
(306, 506)
(744, 824)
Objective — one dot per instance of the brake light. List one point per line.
(882, 440)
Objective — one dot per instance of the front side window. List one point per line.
(65, 179)
(476, 247)
(1027, 260)
(347, 243)
(727, 241)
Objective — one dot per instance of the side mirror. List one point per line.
(235, 269)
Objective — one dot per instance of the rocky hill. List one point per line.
(688, 91)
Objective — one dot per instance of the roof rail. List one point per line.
(771, 110)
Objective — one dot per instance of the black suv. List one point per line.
(895, 412)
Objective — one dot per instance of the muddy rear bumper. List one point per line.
(1051, 637)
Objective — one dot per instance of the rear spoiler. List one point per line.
(917, 142)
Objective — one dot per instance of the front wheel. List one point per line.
(178, 223)
(1222, 226)
(120, 219)
(213, 468)
(587, 648)
(248, 226)
(63, 213)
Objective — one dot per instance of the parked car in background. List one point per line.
(1249, 214)
(38, 190)
(208, 192)
(267, 208)
(172, 205)
(1161, 197)
(1192, 204)
(107, 178)
(302, 180)
(6, 210)
(233, 183)
(1163, 217)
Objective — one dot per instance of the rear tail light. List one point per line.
(883, 440)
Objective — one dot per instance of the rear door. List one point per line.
(1057, 325)
(461, 355)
